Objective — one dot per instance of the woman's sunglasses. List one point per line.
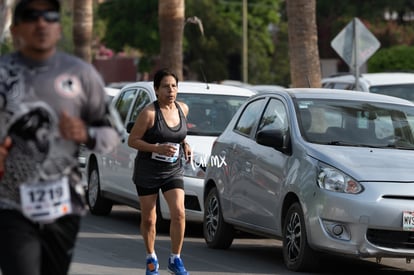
(30, 15)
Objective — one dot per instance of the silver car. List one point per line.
(323, 170)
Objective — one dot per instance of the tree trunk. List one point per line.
(5, 17)
(305, 67)
(171, 27)
(82, 28)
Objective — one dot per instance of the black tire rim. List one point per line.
(293, 237)
(93, 188)
(212, 217)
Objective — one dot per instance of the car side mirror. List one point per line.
(276, 139)
(129, 126)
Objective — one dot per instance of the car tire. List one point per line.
(98, 205)
(217, 233)
(297, 254)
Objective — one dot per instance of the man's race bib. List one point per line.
(46, 201)
(167, 158)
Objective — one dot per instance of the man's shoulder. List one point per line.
(7, 57)
(70, 58)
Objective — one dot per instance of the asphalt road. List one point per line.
(112, 245)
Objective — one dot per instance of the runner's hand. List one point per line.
(72, 128)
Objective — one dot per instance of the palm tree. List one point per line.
(171, 28)
(305, 67)
(82, 28)
(5, 17)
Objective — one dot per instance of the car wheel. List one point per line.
(98, 205)
(217, 233)
(297, 254)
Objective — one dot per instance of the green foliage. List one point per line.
(217, 54)
(398, 58)
(6, 46)
(280, 69)
(130, 23)
(66, 20)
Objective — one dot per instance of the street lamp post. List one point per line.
(245, 45)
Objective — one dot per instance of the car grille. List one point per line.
(391, 239)
(191, 203)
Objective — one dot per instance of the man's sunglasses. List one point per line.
(30, 15)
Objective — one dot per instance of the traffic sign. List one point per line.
(355, 44)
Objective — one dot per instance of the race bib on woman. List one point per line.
(164, 158)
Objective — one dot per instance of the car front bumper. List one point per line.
(366, 225)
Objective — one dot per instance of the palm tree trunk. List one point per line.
(82, 28)
(305, 67)
(171, 27)
(5, 17)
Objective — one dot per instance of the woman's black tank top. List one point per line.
(151, 173)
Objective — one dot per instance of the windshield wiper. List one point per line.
(343, 143)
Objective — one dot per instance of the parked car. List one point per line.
(109, 176)
(390, 83)
(323, 170)
(266, 88)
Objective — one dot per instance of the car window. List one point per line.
(405, 91)
(143, 99)
(124, 102)
(343, 86)
(274, 117)
(353, 122)
(249, 118)
(209, 114)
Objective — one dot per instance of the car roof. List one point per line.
(112, 91)
(375, 79)
(266, 88)
(324, 93)
(189, 87)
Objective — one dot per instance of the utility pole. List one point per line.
(245, 45)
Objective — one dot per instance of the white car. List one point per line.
(390, 83)
(111, 92)
(109, 176)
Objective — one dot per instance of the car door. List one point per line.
(241, 153)
(125, 154)
(268, 169)
(110, 163)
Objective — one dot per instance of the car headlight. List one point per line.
(334, 180)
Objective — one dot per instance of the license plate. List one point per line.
(408, 220)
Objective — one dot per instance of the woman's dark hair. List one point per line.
(160, 74)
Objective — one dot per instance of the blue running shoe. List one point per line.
(152, 267)
(177, 267)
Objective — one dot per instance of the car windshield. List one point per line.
(209, 114)
(356, 123)
(405, 91)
